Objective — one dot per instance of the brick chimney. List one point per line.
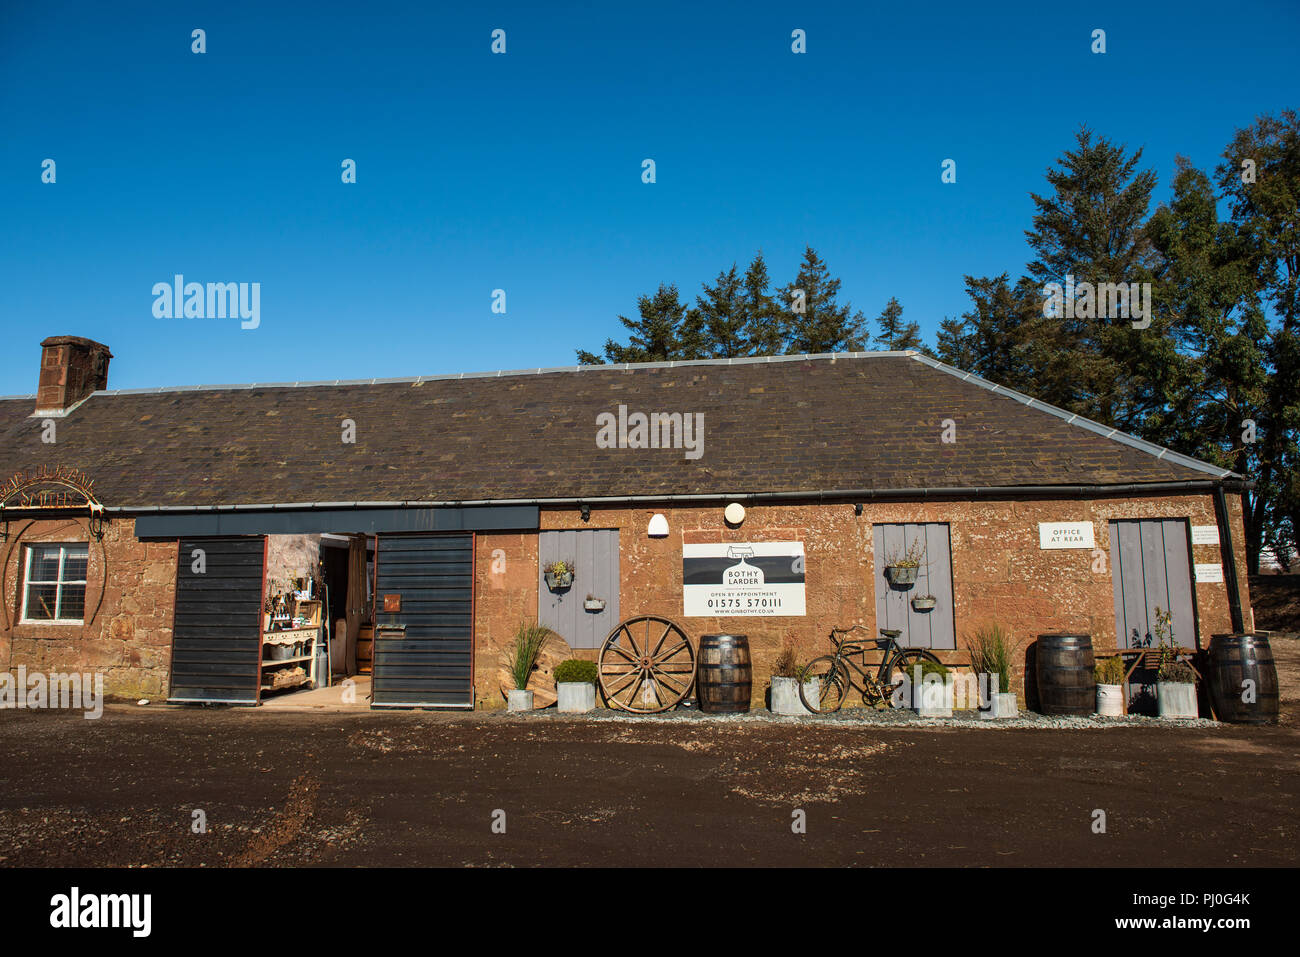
(71, 369)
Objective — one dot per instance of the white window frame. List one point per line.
(64, 548)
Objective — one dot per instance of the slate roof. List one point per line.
(793, 424)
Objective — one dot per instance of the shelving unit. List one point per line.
(302, 627)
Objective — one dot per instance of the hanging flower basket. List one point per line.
(558, 575)
(901, 574)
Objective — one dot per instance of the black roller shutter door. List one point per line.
(216, 636)
(431, 665)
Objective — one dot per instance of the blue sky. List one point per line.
(523, 172)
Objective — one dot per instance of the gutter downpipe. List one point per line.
(1228, 554)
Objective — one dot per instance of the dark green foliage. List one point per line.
(576, 669)
(816, 321)
(661, 333)
(895, 334)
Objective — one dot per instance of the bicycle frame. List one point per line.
(846, 648)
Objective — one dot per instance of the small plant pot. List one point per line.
(1005, 705)
(517, 700)
(924, 604)
(785, 695)
(901, 574)
(594, 604)
(575, 697)
(1110, 701)
(1176, 699)
(559, 582)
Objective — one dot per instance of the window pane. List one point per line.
(45, 564)
(74, 565)
(74, 602)
(40, 601)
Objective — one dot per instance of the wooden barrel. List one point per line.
(365, 649)
(724, 676)
(1064, 671)
(1241, 669)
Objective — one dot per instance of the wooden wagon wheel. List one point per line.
(647, 665)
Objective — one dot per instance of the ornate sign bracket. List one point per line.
(45, 489)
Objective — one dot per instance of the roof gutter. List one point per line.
(827, 495)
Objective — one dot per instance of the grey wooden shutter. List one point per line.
(920, 629)
(1150, 562)
(594, 553)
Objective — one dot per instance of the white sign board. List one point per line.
(1205, 534)
(1209, 573)
(1065, 535)
(750, 578)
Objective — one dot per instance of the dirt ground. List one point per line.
(425, 789)
(1276, 602)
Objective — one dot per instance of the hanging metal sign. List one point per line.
(46, 488)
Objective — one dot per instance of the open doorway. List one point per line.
(317, 605)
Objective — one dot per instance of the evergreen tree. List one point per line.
(1260, 178)
(896, 335)
(1089, 228)
(811, 319)
(763, 329)
(663, 332)
(723, 317)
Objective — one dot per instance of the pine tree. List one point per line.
(1260, 178)
(1090, 229)
(762, 316)
(896, 335)
(723, 318)
(811, 319)
(663, 332)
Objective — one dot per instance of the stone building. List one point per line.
(454, 492)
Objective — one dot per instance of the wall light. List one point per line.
(857, 508)
(734, 513)
(585, 511)
(658, 526)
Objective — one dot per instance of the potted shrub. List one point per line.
(575, 686)
(930, 698)
(901, 567)
(924, 603)
(785, 685)
(1176, 690)
(529, 640)
(991, 654)
(1175, 680)
(1109, 675)
(559, 575)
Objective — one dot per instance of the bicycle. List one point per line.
(834, 679)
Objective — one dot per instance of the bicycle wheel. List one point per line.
(904, 661)
(832, 685)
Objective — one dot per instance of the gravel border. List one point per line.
(894, 718)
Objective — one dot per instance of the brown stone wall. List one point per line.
(999, 572)
(129, 638)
